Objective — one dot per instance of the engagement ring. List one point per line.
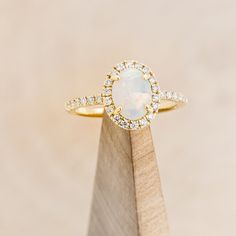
(131, 96)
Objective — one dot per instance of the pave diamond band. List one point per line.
(93, 105)
(131, 97)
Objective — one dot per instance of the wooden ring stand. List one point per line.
(127, 197)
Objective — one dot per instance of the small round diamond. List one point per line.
(151, 116)
(143, 122)
(117, 117)
(120, 67)
(155, 107)
(152, 80)
(83, 100)
(124, 124)
(169, 95)
(98, 99)
(108, 101)
(107, 92)
(156, 98)
(181, 97)
(145, 70)
(108, 82)
(134, 125)
(72, 104)
(139, 66)
(129, 64)
(155, 88)
(110, 109)
(114, 75)
(91, 100)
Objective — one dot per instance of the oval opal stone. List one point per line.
(132, 93)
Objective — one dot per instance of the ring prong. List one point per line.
(114, 77)
(148, 108)
(117, 110)
(147, 76)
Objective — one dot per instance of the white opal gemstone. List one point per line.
(132, 93)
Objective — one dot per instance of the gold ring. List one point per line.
(131, 96)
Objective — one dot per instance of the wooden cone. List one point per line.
(127, 197)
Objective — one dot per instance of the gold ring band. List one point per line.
(92, 106)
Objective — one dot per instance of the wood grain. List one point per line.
(127, 198)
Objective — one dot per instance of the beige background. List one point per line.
(53, 50)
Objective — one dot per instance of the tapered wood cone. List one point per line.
(127, 197)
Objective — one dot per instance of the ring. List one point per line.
(131, 96)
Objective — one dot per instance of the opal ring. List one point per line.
(131, 96)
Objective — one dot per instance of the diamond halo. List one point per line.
(149, 90)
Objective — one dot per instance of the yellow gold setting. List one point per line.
(94, 106)
(115, 113)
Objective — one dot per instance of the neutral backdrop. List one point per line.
(51, 51)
